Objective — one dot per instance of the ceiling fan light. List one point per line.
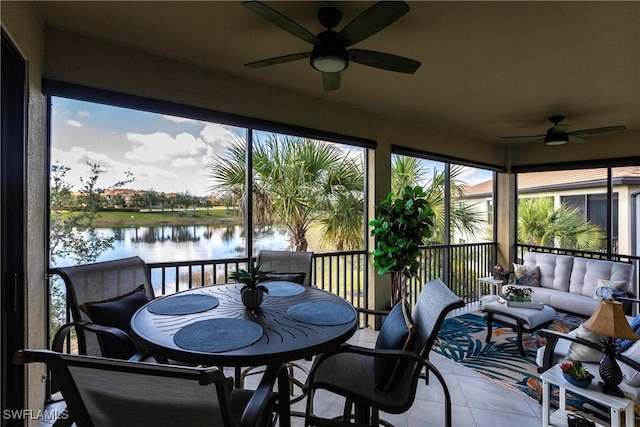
(556, 142)
(329, 63)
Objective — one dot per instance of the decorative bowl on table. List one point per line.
(576, 382)
(575, 373)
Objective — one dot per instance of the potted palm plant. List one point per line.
(400, 227)
(252, 292)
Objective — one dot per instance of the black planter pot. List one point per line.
(252, 298)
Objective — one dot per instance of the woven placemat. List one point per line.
(183, 304)
(321, 313)
(218, 335)
(279, 288)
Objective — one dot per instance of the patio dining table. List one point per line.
(210, 325)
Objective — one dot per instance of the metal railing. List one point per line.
(342, 273)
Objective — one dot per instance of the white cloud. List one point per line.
(73, 123)
(178, 119)
(179, 163)
(160, 146)
(83, 113)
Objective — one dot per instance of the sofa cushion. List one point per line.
(582, 352)
(586, 273)
(526, 276)
(555, 270)
(578, 304)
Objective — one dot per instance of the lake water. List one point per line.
(186, 243)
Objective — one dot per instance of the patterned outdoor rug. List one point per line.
(462, 339)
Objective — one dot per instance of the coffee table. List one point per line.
(522, 319)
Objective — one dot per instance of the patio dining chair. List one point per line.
(385, 378)
(102, 297)
(285, 265)
(110, 392)
(292, 267)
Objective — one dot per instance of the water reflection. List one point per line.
(186, 243)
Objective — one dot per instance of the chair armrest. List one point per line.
(374, 353)
(124, 342)
(552, 339)
(387, 354)
(259, 408)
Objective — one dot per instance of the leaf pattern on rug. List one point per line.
(462, 339)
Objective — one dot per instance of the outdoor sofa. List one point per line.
(568, 283)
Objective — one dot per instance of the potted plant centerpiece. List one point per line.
(400, 227)
(252, 292)
(518, 294)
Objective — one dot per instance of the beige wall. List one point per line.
(23, 25)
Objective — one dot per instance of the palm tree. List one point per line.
(298, 182)
(406, 171)
(540, 223)
(463, 219)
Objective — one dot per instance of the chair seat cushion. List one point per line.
(395, 334)
(116, 312)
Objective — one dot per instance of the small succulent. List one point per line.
(576, 370)
(251, 277)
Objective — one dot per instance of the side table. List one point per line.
(495, 285)
(559, 417)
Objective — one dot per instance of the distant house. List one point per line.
(124, 192)
(584, 189)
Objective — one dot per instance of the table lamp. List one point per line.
(609, 320)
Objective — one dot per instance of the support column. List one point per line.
(505, 221)
(378, 187)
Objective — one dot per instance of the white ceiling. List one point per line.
(489, 69)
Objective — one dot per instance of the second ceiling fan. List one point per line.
(329, 54)
(560, 134)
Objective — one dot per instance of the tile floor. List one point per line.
(476, 400)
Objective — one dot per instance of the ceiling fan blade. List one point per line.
(278, 60)
(280, 20)
(598, 130)
(522, 136)
(577, 139)
(386, 61)
(372, 20)
(529, 142)
(331, 81)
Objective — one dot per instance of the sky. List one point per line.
(164, 153)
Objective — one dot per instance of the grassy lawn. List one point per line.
(215, 215)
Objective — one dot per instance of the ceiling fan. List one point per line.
(330, 55)
(559, 134)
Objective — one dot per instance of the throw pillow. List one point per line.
(115, 312)
(582, 352)
(287, 277)
(396, 333)
(635, 325)
(526, 276)
(631, 376)
(616, 285)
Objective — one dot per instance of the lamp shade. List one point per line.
(609, 320)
